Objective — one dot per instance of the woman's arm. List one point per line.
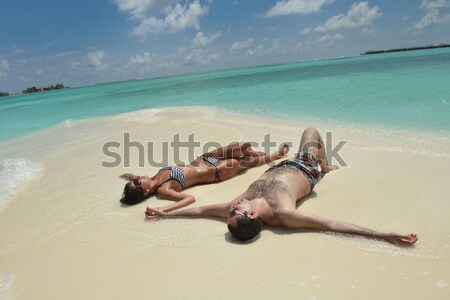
(181, 198)
(300, 220)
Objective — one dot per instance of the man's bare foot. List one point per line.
(327, 169)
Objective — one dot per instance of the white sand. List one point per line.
(66, 236)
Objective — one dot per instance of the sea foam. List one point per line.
(15, 172)
(7, 288)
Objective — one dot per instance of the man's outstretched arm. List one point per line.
(299, 220)
(219, 210)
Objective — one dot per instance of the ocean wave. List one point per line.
(143, 115)
(166, 114)
(7, 285)
(431, 247)
(15, 171)
(358, 136)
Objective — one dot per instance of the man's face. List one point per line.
(238, 210)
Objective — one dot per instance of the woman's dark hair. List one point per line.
(132, 196)
(245, 228)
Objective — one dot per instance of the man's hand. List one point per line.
(154, 213)
(402, 239)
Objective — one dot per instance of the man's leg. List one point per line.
(312, 143)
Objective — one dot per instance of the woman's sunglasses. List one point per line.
(137, 182)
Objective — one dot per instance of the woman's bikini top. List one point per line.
(177, 174)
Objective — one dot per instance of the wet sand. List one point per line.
(65, 235)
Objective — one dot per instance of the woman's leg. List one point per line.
(261, 159)
(235, 150)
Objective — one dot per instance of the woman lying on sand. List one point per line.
(212, 167)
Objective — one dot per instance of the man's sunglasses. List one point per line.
(236, 212)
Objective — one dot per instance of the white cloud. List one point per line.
(74, 64)
(94, 60)
(175, 17)
(360, 14)
(431, 16)
(140, 9)
(198, 57)
(305, 31)
(429, 4)
(149, 26)
(429, 19)
(242, 44)
(39, 72)
(298, 47)
(287, 7)
(260, 50)
(4, 67)
(68, 53)
(201, 39)
(366, 31)
(181, 18)
(144, 59)
(330, 38)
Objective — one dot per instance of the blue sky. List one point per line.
(87, 42)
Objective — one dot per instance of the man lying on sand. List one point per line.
(212, 167)
(272, 199)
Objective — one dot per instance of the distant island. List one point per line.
(406, 49)
(3, 94)
(36, 89)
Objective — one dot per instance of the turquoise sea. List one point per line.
(408, 90)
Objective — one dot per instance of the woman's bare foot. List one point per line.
(253, 153)
(129, 176)
(260, 153)
(284, 150)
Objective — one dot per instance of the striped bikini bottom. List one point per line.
(215, 162)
